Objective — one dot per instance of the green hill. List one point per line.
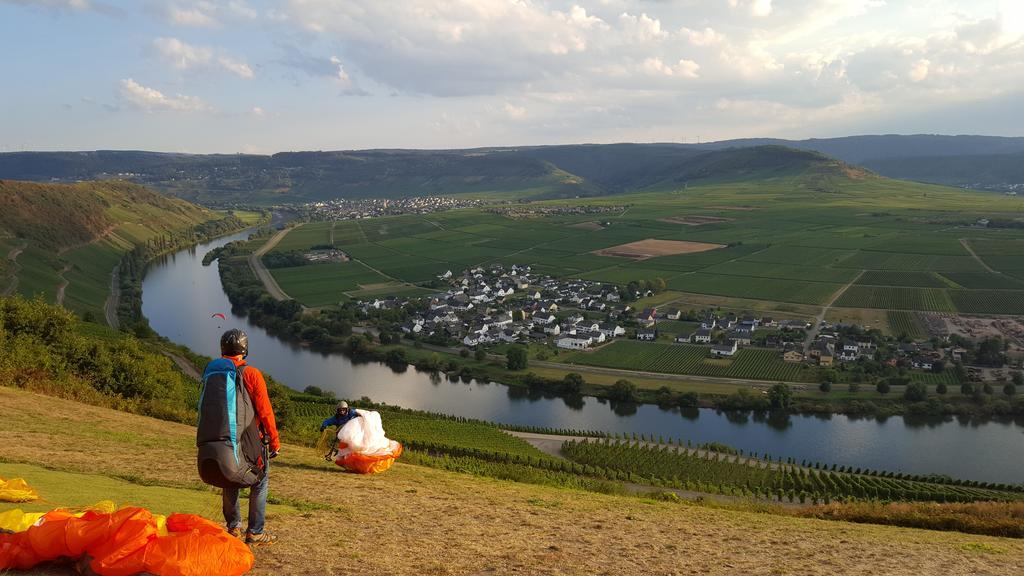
(67, 239)
(521, 172)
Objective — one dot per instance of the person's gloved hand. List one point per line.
(274, 453)
(322, 428)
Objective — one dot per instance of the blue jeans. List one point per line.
(257, 506)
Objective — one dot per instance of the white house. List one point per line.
(553, 329)
(646, 334)
(727, 349)
(611, 329)
(572, 342)
(702, 336)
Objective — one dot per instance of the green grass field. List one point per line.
(785, 242)
(325, 284)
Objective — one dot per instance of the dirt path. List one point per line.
(110, 306)
(821, 317)
(63, 284)
(12, 257)
(967, 246)
(256, 263)
(187, 367)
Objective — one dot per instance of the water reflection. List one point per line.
(179, 293)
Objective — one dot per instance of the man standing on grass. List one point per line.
(237, 435)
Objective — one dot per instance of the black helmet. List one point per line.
(234, 342)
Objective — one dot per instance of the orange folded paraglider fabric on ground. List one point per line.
(363, 447)
(366, 463)
(123, 542)
(17, 490)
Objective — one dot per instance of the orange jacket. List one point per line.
(257, 388)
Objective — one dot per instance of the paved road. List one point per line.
(255, 262)
(821, 317)
(187, 367)
(110, 307)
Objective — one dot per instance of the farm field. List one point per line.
(788, 249)
(325, 284)
(906, 322)
(750, 363)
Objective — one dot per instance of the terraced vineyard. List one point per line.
(906, 322)
(676, 467)
(752, 363)
(896, 298)
(989, 301)
(895, 278)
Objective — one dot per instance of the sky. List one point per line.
(260, 77)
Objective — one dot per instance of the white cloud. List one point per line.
(257, 111)
(514, 112)
(706, 37)
(756, 8)
(191, 17)
(184, 56)
(151, 100)
(657, 67)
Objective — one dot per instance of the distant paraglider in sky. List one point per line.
(220, 316)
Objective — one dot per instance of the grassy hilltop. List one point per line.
(416, 520)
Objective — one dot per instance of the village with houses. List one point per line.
(484, 307)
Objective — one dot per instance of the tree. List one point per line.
(941, 388)
(883, 387)
(1017, 378)
(988, 389)
(464, 352)
(480, 355)
(854, 387)
(915, 392)
(825, 386)
(990, 352)
(515, 358)
(1010, 389)
(572, 383)
(689, 400)
(780, 396)
(314, 391)
(396, 357)
(623, 391)
(967, 388)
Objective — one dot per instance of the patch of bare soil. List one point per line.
(651, 248)
(694, 220)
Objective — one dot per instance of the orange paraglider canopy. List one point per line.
(127, 541)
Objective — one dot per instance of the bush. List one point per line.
(464, 352)
(623, 391)
(854, 387)
(313, 391)
(572, 383)
(825, 386)
(1010, 389)
(915, 392)
(780, 396)
(883, 387)
(941, 388)
(480, 355)
(515, 358)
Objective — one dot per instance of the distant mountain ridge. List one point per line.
(536, 171)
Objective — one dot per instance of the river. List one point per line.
(180, 294)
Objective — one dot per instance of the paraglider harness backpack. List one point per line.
(231, 452)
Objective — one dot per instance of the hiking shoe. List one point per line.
(236, 532)
(261, 539)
